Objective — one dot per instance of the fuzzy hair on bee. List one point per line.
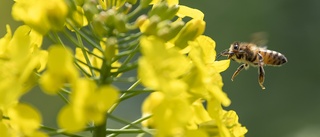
(249, 54)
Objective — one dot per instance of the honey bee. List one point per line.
(252, 55)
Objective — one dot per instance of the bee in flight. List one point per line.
(251, 54)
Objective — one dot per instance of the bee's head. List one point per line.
(234, 49)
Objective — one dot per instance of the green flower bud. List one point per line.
(164, 11)
(189, 32)
(90, 9)
(120, 23)
(111, 47)
(98, 25)
(152, 25)
(170, 31)
(125, 9)
(171, 12)
(145, 3)
(159, 9)
(110, 17)
(132, 1)
(140, 20)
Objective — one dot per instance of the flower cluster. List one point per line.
(94, 43)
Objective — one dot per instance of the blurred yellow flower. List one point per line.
(89, 103)
(24, 121)
(170, 114)
(60, 70)
(20, 59)
(161, 68)
(204, 80)
(41, 15)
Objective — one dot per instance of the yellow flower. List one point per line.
(170, 114)
(60, 70)
(204, 80)
(160, 68)
(41, 15)
(20, 59)
(223, 123)
(89, 103)
(24, 120)
(230, 119)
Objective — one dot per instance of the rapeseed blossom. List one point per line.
(97, 44)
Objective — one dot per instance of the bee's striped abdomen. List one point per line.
(272, 57)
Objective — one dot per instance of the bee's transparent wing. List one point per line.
(260, 39)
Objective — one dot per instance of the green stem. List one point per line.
(92, 43)
(134, 12)
(124, 53)
(100, 131)
(133, 123)
(124, 131)
(63, 97)
(120, 120)
(74, 41)
(82, 70)
(123, 95)
(58, 39)
(91, 67)
(137, 92)
(129, 66)
(85, 54)
(57, 132)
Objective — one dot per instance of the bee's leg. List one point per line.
(261, 71)
(238, 70)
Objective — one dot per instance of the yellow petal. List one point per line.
(67, 120)
(196, 133)
(190, 12)
(107, 95)
(39, 134)
(221, 65)
(4, 131)
(4, 42)
(24, 118)
(50, 84)
(208, 48)
(149, 104)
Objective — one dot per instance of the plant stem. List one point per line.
(100, 131)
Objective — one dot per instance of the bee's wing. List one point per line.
(260, 39)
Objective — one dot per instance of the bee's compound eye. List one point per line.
(236, 46)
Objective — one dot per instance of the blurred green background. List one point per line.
(290, 105)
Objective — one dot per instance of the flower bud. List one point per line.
(111, 47)
(189, 32)
(149, 26)
(145, 3)
(120, 23)
(164, 11)
(132, 1)
(169, 32)
(98, 25)
(140, 20)
(90, 9)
